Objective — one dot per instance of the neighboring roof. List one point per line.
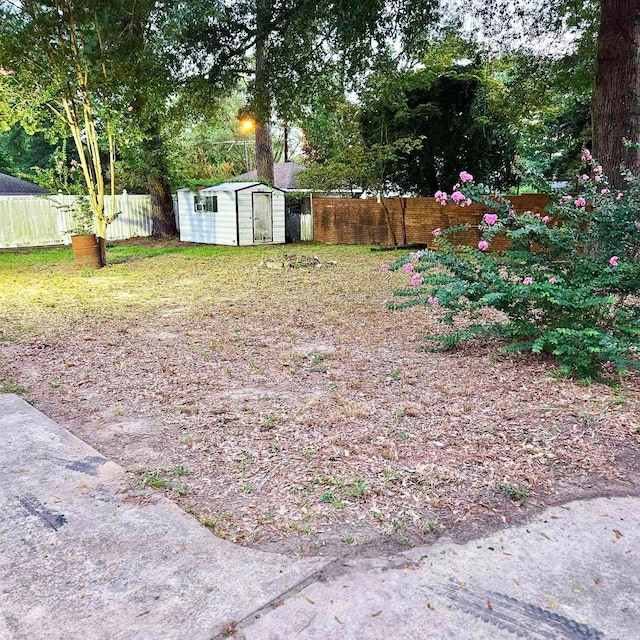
(10, 186)
(284, 175)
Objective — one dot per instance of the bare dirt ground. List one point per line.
(289, 409)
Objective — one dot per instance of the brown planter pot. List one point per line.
(86, 251)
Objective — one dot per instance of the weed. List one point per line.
(248, 488)
(56, 384)
(268, 421)
(253, 366)
(395, 374)
(178, 470)
(329, 497)
(357, 488)
(11, 386)
(153, 479)
(245, 461)
(276, 447)
(181, 489)
(217, 524)
(349, 540)
(514, 493)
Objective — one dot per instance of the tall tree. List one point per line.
(282, 48)
(616, 92)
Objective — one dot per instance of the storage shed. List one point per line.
(233, 213)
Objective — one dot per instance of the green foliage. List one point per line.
(567, 286)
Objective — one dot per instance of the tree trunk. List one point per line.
(164, 219)
(615, 102)
(262, 98)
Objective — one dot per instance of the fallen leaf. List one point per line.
(280, 603)
(618, 534)
(430, 606)
(596, 581)
(376, 614)
(516, 582)
(144, 613)
(553, 604)
(463, 585)
(489, 605)
(338, 620)
(544, 535)
(309, 600)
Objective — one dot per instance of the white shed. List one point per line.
(233, 213)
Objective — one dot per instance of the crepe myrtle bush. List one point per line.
(569, 284)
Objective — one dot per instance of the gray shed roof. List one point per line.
(10, 186)
(230, 186)
(284, 175)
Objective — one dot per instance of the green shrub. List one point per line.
(568, 285)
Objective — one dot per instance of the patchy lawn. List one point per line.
(288, 408)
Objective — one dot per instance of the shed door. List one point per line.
(262, 218)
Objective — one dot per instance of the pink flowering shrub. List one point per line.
(568, 285)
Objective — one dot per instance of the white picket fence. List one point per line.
(35, 221)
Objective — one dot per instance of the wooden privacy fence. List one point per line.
(34, 221)
(352, 221)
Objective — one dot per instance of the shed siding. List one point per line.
(209, 228)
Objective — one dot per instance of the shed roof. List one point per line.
(10, 186)
(231, 186)
(284, 175)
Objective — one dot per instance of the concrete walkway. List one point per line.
(80, 560)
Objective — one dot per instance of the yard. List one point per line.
(288, 409)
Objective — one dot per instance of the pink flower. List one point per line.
(528, 280)
(350, 146)
(483, 245)
(597, 169)
(613, 261)
(567, 197)
(597, 178)
(433, 300)
(553, 280)
(6, 72)
(408, 268)
(546, 219)
(60, 164)
(580, 202)
(537, 215)
(458, 197)
(490, 218)
(619, 196)
(586, 155)
(416, 280)
(129, 108)
(584, 177)
(465, 177)
(437, 232)
(72, 168)
(74, 162)
(468, 202)
(441, 197)
(512, 213)
(604, 191)
(385, 267)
